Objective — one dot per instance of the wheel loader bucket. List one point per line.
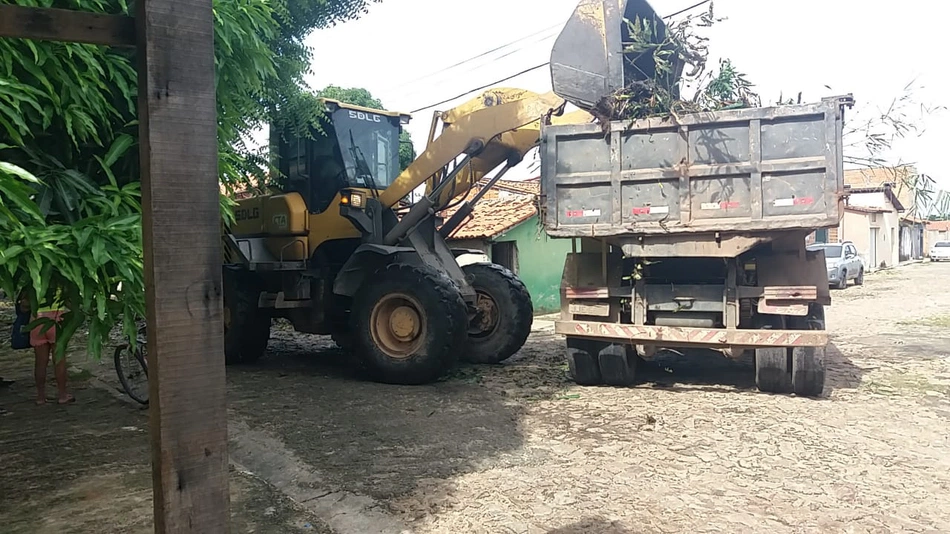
(592, 57)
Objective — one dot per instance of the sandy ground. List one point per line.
(517, 448)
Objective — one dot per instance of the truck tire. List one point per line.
(772, 374)
(408, 324)
(618, 365)
(503, 323)
(808, 371)
(583, 362)
(843, 279)
(246, 327)
(859, 281)
(808, 363)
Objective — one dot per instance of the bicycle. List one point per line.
(132, 367)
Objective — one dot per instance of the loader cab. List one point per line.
(358, 148)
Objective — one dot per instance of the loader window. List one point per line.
(370, 146)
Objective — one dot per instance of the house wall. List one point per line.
(856, 227)
(890, 235)
(932, 236)
(911, 241)
(540, 263)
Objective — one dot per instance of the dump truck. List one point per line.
(689, 231)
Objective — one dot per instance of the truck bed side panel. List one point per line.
(750, 170)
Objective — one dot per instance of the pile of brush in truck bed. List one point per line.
(679, 45)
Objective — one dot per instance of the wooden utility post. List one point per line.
(181, 233)
(181, 222)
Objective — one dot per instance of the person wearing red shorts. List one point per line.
(44, 345)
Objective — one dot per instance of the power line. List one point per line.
(486, 86)
(457, 74)
(694, 6)
(481, 55)
(536, 67)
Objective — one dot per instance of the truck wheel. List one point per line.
(618, 365)
(246, 327)
(504, 316)
(843, 280)
(408, 324)
(772, 374)
(808, 363)
(583, 362)
(808, 371)
(860, 279)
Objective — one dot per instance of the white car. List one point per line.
(940, 251)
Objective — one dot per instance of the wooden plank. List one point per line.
(50, 24)
(179, 155)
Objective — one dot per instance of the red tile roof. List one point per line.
(493, 217)
(940, 226)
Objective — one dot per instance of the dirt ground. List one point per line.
(517, 448)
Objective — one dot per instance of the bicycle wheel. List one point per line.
(133, 373)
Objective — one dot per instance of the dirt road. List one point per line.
(517, 448)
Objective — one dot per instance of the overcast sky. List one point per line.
(400, 50)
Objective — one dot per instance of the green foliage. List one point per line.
(670, 52)
(70, 209)
(358, 96)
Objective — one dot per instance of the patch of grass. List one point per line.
(898, 383)
(936, 321)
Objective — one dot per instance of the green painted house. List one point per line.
(505, 226)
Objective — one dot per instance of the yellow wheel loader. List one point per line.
(331, 253)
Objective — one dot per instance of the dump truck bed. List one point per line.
(748, 171)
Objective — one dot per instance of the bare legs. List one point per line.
(43, 354)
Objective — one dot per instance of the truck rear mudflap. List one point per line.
(679, 336)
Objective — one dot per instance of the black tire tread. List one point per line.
(248, 343)
(618, 365)
(772, 374)
(123, 381)
(457, 317)
(518, 330)
(582, 362)
(808, 371)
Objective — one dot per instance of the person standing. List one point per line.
(44, 347)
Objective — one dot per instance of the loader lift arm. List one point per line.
(484, 133)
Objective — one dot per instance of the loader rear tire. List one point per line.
(408, 325)
(505, 312)
(246, 327)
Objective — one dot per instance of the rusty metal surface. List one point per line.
(806, 293)
(748, 172)
(589, 60)
(684, 336)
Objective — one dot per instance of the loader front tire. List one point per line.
(504, 314)
(246, 327)
(408, 325)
